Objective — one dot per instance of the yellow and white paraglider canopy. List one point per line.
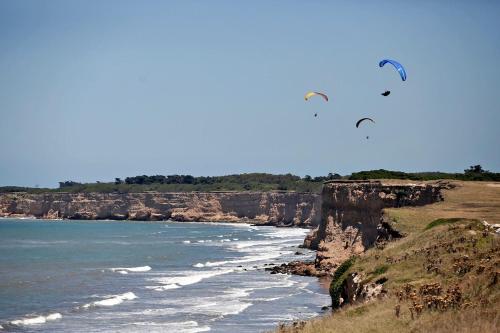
(315, 93)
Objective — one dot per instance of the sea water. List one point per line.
(109, 276)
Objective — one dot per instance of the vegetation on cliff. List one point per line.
(473, 173)
(247, 182)
(442, 277)
(338, 281)
(188, 183)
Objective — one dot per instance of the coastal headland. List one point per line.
(418, 258)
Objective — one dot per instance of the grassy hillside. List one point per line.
(442, 277)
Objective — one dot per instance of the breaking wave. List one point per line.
(36, 320)
(112, 301)
(190, 277)
(131, 269)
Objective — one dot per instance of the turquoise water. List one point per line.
(104, 276)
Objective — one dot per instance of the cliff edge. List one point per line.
(272, 208)
(352, 216)
(442, 276)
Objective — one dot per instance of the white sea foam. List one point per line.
(238, 293)
(229, 302)
(190, 277)
(163, 288)
(221, 308)
(112, 301)
(186, 241)
(182, 327)
(286, 232)
(199, 265)
(246, 259)
(241, 225)
(54, 316)
(246, 244)
(156, 312)
(36, 320)
(131, 269)
(217, 263)
(263, 299)
(281, 282)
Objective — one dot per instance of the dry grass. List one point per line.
(379, 317)
(461, 256)
(472, 200)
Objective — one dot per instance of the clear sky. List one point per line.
(92, 90)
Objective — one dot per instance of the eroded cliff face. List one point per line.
(273, 208)
(351, 216)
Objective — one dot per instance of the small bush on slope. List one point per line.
(338, 280)
(438, 222)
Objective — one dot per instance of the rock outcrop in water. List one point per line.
(273, 208)
(352, 216)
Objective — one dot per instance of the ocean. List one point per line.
(110, 276)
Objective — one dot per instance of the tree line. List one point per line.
(473, 173)
(249, 181)
(238, 179)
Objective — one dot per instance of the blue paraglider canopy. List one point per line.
(396, 65)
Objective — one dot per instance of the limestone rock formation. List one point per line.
(354, 290)
(272, 208)
(352, 216)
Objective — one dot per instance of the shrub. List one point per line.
(437, 222)
(381, 269)
(338, 280)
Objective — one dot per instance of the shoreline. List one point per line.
(243, 222)
(319, 283)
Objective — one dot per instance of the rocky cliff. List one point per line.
(273, 208)
(352, 216)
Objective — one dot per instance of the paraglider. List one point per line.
(363, 119)
(386, 93)
(314, 93)
(396, 65)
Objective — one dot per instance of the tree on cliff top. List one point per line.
(68, 183)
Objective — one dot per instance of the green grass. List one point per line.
(357, 311)
(439, 222)
(381, 269)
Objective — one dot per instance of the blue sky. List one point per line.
(92, 90)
